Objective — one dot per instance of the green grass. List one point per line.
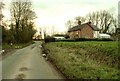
(89, 60)
(15, 46)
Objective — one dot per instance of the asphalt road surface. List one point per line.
(28, 63)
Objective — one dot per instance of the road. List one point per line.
(28, 63)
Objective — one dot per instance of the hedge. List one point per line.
(84, 39)
(51, 39)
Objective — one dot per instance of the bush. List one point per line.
(83, 39)
(67, 36)
(49, 39)
(65, 40)
(96, 39)
(105, 39)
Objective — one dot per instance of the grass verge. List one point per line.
(16, 45)
(8, 48)
(85, 60)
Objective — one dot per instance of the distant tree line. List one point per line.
(103, 19)
(21, 27)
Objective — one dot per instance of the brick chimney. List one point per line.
(89, 23)
(79, 22)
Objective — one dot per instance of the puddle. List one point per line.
(23, 69)
(20, 76)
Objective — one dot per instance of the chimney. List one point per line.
(89, 23)
(79, 22)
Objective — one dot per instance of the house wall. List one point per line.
(70, 34)
(74, 34)
(95, 34)
(79, 31)
(87, 32)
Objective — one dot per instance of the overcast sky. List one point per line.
(55, 13)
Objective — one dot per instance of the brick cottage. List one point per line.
(86, 30)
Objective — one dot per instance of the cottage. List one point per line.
(86, 30)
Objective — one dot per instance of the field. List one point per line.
(85, 60)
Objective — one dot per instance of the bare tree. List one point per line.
(22, 16)
(69, 24)
(44, 30)
(53, 30)
(80, 18)
(1, 7)
(102, 19)
(115, 23)
(93, 18)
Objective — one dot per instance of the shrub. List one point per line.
(49, 39)
(83, 39)
(105, 39)
(65, 40)
(96, 39)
